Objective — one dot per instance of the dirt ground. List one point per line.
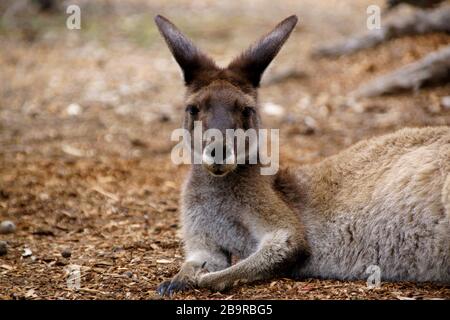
(85, 123)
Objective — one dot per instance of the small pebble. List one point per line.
(7, 227)
(3, 248)
(66, 253)
(445, 102)
(128, 274)
(27, 253)
(73, 109)
(272, 109)
(44, 196)
(311, 125)
(117, 249)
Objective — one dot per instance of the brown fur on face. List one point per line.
(223, 98)
(216, 74)
(222, 105)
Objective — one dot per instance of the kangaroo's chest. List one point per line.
(223, 221)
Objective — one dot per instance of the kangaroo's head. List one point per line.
(223, 98)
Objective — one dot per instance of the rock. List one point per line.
(73, 109)
(66, 253)
(27, 253)
(272, 109)
(128, 274)
(44, 196)
(70, 150)
(3, 248)
(445, 103)
(7, 227)
(311, 125)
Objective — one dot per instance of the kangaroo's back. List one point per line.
(381, 202)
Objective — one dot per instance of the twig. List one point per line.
(105, 193)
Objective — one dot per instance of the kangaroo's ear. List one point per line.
(252, 63)
(191, 60)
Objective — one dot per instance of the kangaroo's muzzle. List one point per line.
(218, 158)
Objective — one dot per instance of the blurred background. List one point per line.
(86, 117)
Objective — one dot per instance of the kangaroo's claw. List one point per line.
(168, 288)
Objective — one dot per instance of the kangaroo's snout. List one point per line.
(219, 158)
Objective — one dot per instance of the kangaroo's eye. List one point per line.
(247, 111)
(193, 110)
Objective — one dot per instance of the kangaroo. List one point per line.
(383, 202)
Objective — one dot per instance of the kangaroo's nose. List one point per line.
(218, 153)
(220, 156)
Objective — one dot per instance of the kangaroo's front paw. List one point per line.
(175, 285)
(213, 282)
